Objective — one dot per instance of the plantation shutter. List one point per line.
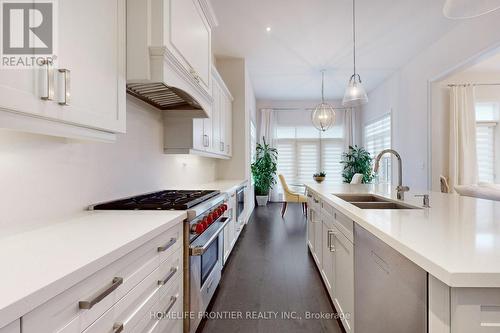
(485, 145)
(377, 136)
(332, 155)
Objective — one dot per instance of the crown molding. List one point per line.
(208, 10)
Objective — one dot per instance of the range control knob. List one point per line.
(224, 207)
(209, 218)
(199, 228)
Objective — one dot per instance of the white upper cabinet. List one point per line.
(188, 37)
(86, 81)
(208, 136)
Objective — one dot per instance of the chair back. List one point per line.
(283, 183)
(357, 178)
(445, 188)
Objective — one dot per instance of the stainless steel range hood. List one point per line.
(163, 97)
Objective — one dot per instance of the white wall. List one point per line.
(440, 114)
(44, 178)
(235, 74)
(406, 91)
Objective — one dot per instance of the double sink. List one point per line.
(370, 201)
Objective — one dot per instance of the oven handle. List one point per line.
(199, 250)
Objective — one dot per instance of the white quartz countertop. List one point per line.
(39, 264)
(221, 185)
(457, 240)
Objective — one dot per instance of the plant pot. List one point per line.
(262, 200)
(319, 180)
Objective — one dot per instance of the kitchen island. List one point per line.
(456, 241)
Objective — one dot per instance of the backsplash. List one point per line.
(45, 178)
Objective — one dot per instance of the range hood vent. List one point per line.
(162, 96)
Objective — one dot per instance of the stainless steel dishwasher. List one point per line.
(390, 290)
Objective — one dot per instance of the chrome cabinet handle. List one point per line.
(222, 145)
(117, 328)
(172, 272)
(173, 299)
(331, 247)
(64, 86)
(206, 140)
(87, 305)
(48, 80)
(165, 247)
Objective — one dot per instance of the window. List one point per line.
(253, 144)
(486, 127)
(304, 151)
(377, 137)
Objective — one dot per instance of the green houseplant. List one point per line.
(264, 171)
(357, 160)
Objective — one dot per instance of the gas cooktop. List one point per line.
(162, 200)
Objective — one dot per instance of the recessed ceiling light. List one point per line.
(268, 29)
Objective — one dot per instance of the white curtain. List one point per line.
(462, 150)
(267, 126)
(349, 122)
(267, 130)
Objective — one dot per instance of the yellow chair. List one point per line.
(291, 197)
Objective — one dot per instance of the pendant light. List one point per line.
(323, 116)
(355, 94)
(464, 9)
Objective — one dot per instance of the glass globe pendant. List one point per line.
(323, 116)
(355, 94)
(464, 9)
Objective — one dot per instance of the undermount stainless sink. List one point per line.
(370, 201)
(361, 198)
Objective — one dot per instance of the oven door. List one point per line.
(205, 260)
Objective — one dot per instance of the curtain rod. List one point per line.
(473, 84)
(302, 109)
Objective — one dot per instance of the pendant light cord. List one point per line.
(354, 34)
(323, 86)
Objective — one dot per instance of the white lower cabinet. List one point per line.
(328, 271)
(475, 310)
(330, 240)
(14, 327)
(233, 228)
(344, 279)
(122, 297)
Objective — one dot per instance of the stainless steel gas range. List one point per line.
(207, 215)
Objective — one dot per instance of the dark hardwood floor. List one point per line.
(271, 269)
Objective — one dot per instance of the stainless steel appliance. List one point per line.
(207, 215)
(240, 203)
(390, 291)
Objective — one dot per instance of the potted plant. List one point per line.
(264, 171)
(319, 177)
(357, 160)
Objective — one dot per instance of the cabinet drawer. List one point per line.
(171, 304)
(14, 327)
(139, 303)
(133, 268)
(345, 225)
(475, 310)
(327, 209)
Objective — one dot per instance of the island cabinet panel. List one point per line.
(328, 255)
(14, 327)
(475, 310)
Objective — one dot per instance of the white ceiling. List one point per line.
(309, 35)
(491, 64)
